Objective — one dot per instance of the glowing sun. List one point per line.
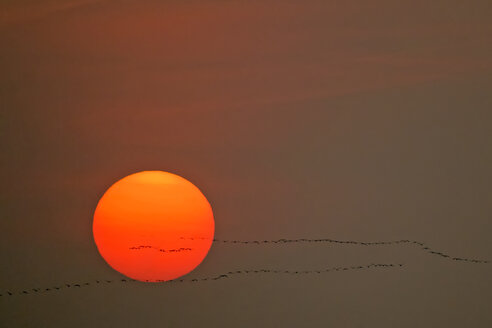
(153, 226)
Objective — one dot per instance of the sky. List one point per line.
(351, 120)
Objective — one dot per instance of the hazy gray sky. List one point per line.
(357, 120)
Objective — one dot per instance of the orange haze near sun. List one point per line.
(153, 226)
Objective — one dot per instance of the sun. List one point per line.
(153, 226)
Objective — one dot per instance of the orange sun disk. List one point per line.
(153, 226)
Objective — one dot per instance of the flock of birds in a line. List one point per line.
(212, 278)
(421, 245)
(162, 250)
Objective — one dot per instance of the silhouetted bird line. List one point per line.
(227, 275)
(290, 272)
(419, 244)
(172, 250)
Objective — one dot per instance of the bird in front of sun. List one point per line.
(153, 226)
